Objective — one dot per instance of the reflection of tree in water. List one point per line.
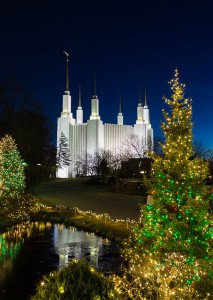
(35, 249)
(21, 258)
(11, 242)
(70, 243)
(8, 251)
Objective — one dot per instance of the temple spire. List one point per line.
(79, 96)
(146, 109)
(120, 104)
(67, 72)
(120, 119)
(140, 98)
(79, 111)
(95, 90)
(145, 97)
(94, 103)
(139, 108)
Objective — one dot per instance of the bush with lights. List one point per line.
(12, 177)
(13, 202)
(170, 251)
(77, 281)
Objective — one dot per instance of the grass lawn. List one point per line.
(95, 204)
(112, 229)
(100, 225)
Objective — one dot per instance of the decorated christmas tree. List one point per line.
(170, 251)
(12, 177)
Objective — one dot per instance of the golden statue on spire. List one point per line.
(67, 54)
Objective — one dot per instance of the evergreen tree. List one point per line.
(12, 177)
(63, 153)
(170, 251)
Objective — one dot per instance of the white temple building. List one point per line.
(94, 135)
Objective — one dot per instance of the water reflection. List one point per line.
(70, 243)
(11, 243)
(30, 250)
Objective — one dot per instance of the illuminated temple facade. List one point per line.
(94, 135)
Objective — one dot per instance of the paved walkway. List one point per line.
(74, 192)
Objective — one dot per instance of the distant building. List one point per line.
(94, 136)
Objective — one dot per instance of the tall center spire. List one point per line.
(145, 97)
(139, 109)
(94, 103)
(79, 111)
(139, 98)
(67, 73)
(120, 119)
(79, 96)
(120, 105)
(95, 87)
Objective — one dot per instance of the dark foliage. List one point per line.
(21, 117)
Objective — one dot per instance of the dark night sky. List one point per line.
(128, 45)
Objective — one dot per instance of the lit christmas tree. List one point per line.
(12, 177)
(170, 252)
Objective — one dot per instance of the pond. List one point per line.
(28, 251)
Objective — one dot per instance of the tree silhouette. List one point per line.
(23, 119)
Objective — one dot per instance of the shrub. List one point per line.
(19, 208)
(75, 282)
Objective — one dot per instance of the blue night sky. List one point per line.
(127, 44)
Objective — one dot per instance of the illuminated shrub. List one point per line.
(78, 281)
(12, 177)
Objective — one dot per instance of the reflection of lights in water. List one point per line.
(63, 260)
(106, 241)
(11, 242)
(70, 243)
(93, 251)
(94, 254)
